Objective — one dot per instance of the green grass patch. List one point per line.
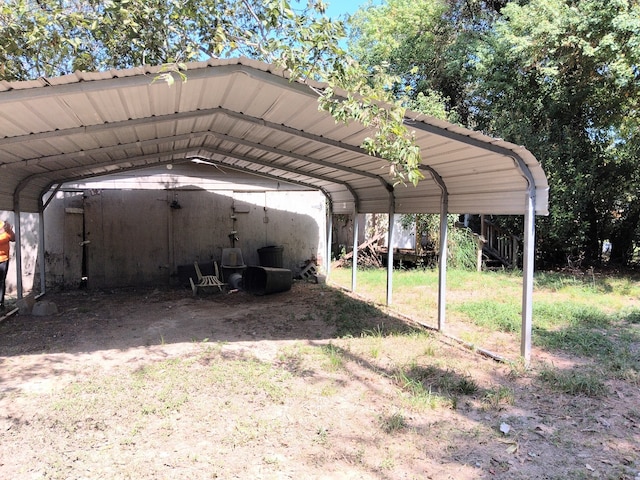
(495, 397)
(575, 381)
(590, 315)
(503, 317)
(334, 357)
(433, 386)
(392, 423)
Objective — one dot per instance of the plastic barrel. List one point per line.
(266, 280)
(270, 256)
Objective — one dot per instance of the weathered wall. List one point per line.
(137, 237)
(29, 244)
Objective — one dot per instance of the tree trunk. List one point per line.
(592, 252)
(622, 238)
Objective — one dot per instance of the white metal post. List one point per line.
(392, 210)
(354, 257)
(43, 270)
(18, 231)
(442, 263)
(527, 275)
(329, 239)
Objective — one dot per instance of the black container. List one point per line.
(265, 280)
(271, 256)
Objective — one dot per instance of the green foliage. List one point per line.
(560, 77)
(423, 43)
(557, 76)
(373, 105)
(334, 356)
(54, 37)
(461, 243)
(351, 317)
(497, 397)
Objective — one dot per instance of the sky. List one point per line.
(341, 7)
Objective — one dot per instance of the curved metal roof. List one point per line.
(246, 115)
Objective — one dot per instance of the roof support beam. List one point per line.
(185, 153)
(225, 137)
(173, 117)
(181, 154)
(280, 167)
(67, 173)
(196, 157)
(265, 175)
(304, 158)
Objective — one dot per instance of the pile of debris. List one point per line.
(369, 254)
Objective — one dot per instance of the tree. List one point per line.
(429, 45)
(562, 78)
(54, 37)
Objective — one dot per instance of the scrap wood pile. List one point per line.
(369, 254)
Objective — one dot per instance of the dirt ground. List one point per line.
(158, 384)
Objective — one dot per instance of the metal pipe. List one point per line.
(442, 263)
(354, 257)
(43, 270)
(329, 231)
(392, 211)
(527, 275)
(18, 231)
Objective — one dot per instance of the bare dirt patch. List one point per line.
(159, 384)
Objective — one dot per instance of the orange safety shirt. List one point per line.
(5, 238)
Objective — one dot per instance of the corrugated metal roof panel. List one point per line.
(247, 114)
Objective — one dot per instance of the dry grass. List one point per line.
(307, 384)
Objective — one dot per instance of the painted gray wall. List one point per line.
(134, 237)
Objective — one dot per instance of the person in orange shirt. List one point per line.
(6, 236)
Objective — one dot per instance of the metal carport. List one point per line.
(249, 116)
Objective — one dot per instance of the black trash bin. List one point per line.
(265, 280)
(271, 256)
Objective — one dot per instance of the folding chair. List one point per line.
(206, 280)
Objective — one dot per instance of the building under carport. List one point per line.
(246, 116)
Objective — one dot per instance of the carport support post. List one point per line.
(329, 239)
(43, 271)
(18, 231)
(354, 257)
(527, 275)
(392, 211)
(442, 263)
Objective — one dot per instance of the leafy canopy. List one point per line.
(563, 78)
(55, 37)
